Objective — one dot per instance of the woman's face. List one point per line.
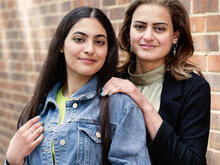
(85, 48)
(151, 36)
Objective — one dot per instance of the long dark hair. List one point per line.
(54, 70)
(178, 65)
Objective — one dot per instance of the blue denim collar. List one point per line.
(88, 91)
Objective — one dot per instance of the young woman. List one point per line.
(171, 92)
(73, 124)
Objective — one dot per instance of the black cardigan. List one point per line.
(183, 136)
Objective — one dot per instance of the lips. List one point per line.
(147, 46)
(87, 60)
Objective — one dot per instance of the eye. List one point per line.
(78, 39)
(160, 29)
(139, 27)
(100, 42)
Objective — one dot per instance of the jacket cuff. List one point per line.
(162, 136)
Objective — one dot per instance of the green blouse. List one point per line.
(150, 84)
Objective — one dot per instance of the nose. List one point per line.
(148, 34)
(89, 48)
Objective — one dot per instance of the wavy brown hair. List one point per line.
(178, 65)
(54, 70)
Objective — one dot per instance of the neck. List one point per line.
(73, 84)
(143, 66)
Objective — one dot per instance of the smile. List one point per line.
(87, 60)
(147, 46)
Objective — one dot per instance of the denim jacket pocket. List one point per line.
(89, 143)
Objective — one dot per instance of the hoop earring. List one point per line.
(174, 47)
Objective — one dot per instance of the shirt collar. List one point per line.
(148, 77)
(88, 91)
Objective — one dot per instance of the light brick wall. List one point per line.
(26, 27)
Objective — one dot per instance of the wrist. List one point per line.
(14, 162)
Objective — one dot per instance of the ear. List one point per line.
(176, 37)
(61, 50)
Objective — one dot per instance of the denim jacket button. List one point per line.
(75, 105)
(62, 142)
(98, 134)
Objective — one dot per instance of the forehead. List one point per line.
(152, 13)
(88, 26)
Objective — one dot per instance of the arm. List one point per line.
(25, 140)
(152, 118)
(186, 143)
(129, 141)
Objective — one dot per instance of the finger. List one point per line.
(37, 132)
(34, 127)
(107, 90)
(37, 141)
(110, 82)
(113, 91)
(29, 123)
(113, 83)
(34, 144)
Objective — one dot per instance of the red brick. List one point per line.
(187, 5)
(197, 24)
(122, 2)
(53, 8)
(213, 23)
(214, 63)
(108, 2)
(37, 1)
(12, 86)
(8, 124)
(78, 3)
(2, 158)
(116, 13)
(214, 81)
(213, 157)
(214, 140)
(215, 103)
(66, 6)
(215, 121)
(19, 98)
(199, 60)
(2, 65)
(203, 6)
(94, 3)
(206, 42)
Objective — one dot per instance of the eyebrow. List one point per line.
(157, 23)
(86, 35)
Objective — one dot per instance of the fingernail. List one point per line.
(109, 94)
(39, 116)
(103, 93)
(102, 88)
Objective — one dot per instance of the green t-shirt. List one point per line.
(61, 103)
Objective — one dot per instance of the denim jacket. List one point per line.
(77, 141)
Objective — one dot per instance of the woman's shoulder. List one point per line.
(121, 99)
(121, 104)
(193, 81)
(197, 82)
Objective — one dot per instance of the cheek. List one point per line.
(134, 38)
(165, 40)
(102, 53)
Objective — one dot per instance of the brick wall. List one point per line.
(26, 27)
